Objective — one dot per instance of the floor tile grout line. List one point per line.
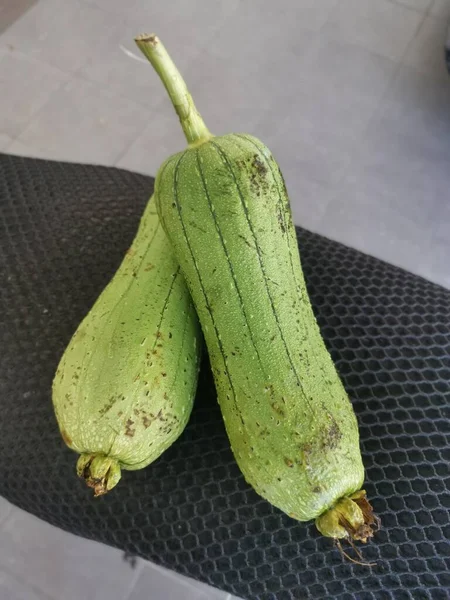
(92, 4)
(416, 33)
(60, 86)
(411, 8)
(327, 20)
(397, 65)
(27, 583)
(125, 150)
(10, 506)
(73, 76)
(32, 59)
(134, 580)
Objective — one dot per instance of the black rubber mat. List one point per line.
(64, 229)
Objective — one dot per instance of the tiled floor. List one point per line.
(353, 98)
(40, 562)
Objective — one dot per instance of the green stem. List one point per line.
(193, 125)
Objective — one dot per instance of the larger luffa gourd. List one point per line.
(223, 204)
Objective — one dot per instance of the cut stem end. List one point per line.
(351, 518)
(101, 473)
(192, 123)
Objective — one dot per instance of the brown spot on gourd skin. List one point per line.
(147, 421)
(149, 267)
(258, 165)
(128, 428)
(264, 433)
(269, 390)
(289, 463)
(107, 407)
(257, 172)
(130, 252)
(280, 217)
(306, 450)
(278, 409)
(332, 436)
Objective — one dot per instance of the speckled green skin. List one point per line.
(125, 385)
(292, 428)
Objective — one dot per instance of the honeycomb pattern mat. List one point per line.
(64, 229)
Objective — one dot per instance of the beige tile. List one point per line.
(382, 26)
(306, 14)
(115, 68)
(440, 9)
(231, 85)
(441, 229)
(5, 509)
(121, 68)
(338, 86)
(426, 50)
(63, 35)
(419, 5)
(63, 566)
(360, 217)
(120, 7)
(5, 141)
(199, 17)
(82, 122)
(417, 103)
(13, 588)
(434, 262)
(395, 192)
(11, 11)
(161, 137)
(165, 584)
(20, 149)
(30, 84)
(309, 199)
(318, 120)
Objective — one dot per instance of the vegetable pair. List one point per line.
(125, 386)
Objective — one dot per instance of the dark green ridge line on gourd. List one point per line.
(260, 259)
(91, 356)
(230, 264)
(291, 237)
(124, 388)
(290, 423)
(287, 221)
(208, 307)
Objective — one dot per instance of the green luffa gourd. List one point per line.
(124, 388)
(224, 206)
